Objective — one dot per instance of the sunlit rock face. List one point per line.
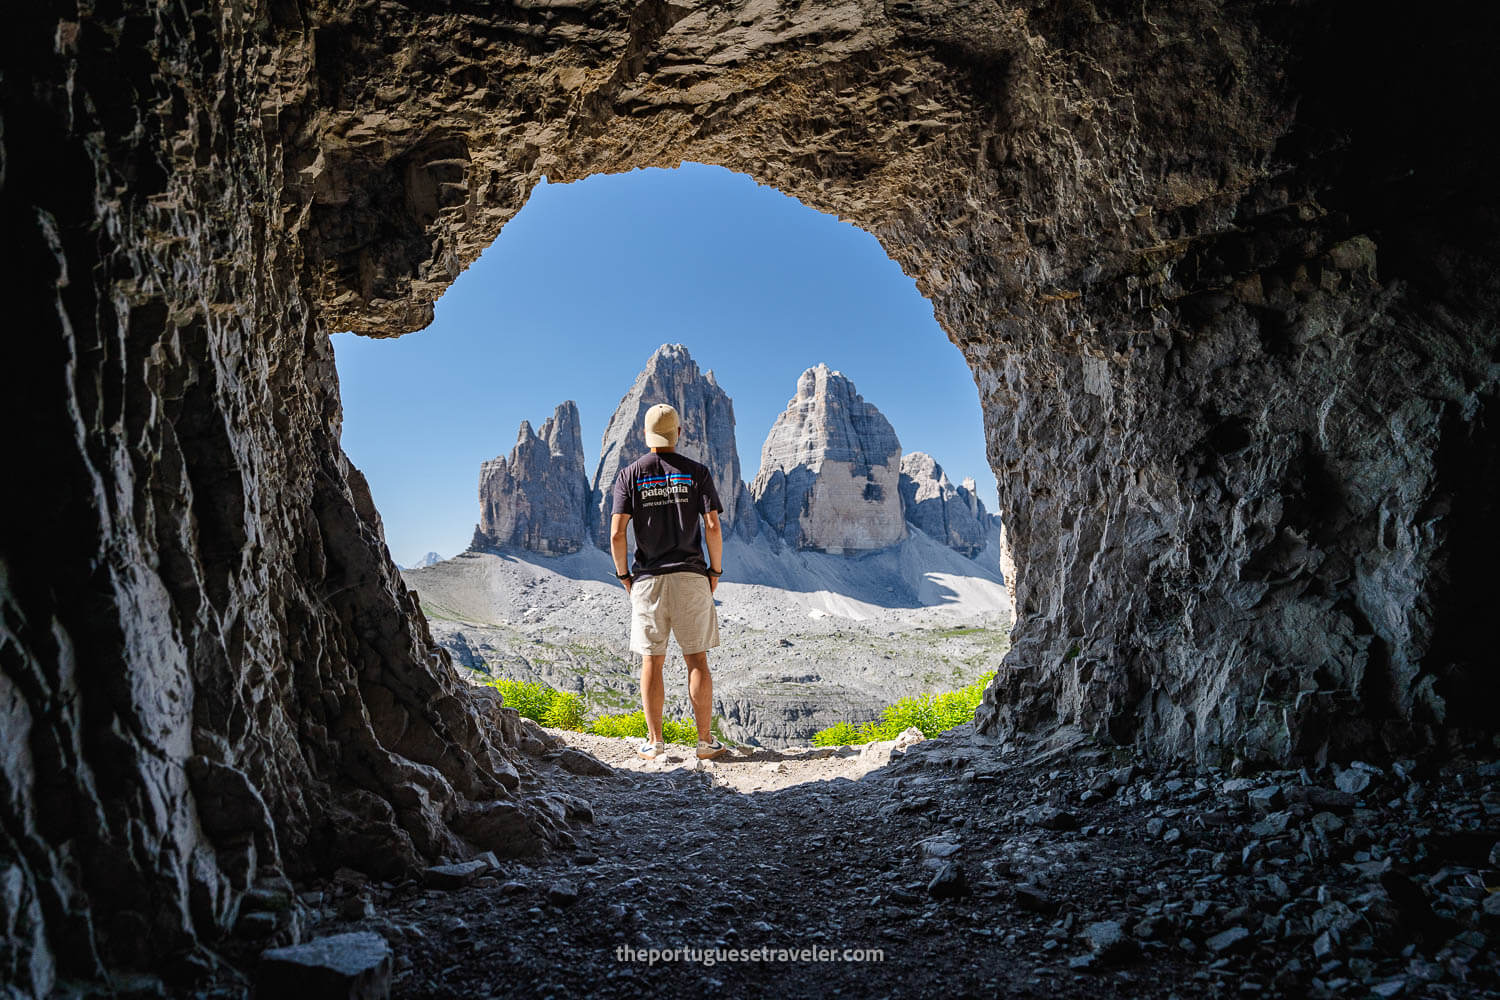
(1225, 275)
(538, 498)
(830, 470)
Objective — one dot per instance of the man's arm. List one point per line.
(618, 547)
(713, 534)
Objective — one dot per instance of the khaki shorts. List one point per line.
(680, 603)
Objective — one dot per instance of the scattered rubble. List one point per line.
(955, 854)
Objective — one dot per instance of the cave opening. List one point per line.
(1225, 277)
(733, 297)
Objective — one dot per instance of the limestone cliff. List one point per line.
(538, 498)
(672, 376)
(830, 470)
(951, 514)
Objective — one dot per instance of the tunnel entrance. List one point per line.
(726, 297)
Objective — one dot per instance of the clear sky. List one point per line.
(590, 278)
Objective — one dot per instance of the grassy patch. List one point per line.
(931, 713)
(633, 726)
(954, 633)
(565, 710)
(439, 612)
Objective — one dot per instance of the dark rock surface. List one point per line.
(930, 860)
(356, 965)
(538, 498)
(1226, 277)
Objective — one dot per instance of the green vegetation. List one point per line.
(565, 710)
(633, 726)
(558, 709)
(608, 699)
(931, 713)
(433, 610)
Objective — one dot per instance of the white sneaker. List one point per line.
(651, 751)
(707, 751)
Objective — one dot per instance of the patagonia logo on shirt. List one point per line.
(653, 491)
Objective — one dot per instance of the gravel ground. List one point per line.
(1057, 869)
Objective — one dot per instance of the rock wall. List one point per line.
(707, 413)
(1226, 277)
(830, 470)
(538, 499)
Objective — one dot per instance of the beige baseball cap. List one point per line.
(662, 426)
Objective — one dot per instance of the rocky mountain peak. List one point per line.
(672, 376)
(832, 476)
(538, 497)
(563, 433)
(830, 469)
(671, 358)
(951, 514)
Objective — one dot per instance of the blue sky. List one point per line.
(590, 278)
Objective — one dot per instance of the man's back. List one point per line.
(663, 495)
(666, 496)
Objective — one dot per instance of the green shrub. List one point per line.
(626, 726)
(565, 712)
(633, 726)
(684, 731)
(839, 734)
(540, 703)
(931, 713)
(527, 697)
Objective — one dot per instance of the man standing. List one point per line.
(671, 585)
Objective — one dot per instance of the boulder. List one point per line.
(356, 965)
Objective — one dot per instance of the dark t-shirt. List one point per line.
(665, 495)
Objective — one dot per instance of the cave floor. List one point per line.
(1083, 874)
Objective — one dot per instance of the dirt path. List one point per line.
(1082, 875)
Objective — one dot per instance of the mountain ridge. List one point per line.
(833, 475)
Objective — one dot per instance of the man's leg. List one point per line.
(648, 636)
(653, 692)
(700, 689)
